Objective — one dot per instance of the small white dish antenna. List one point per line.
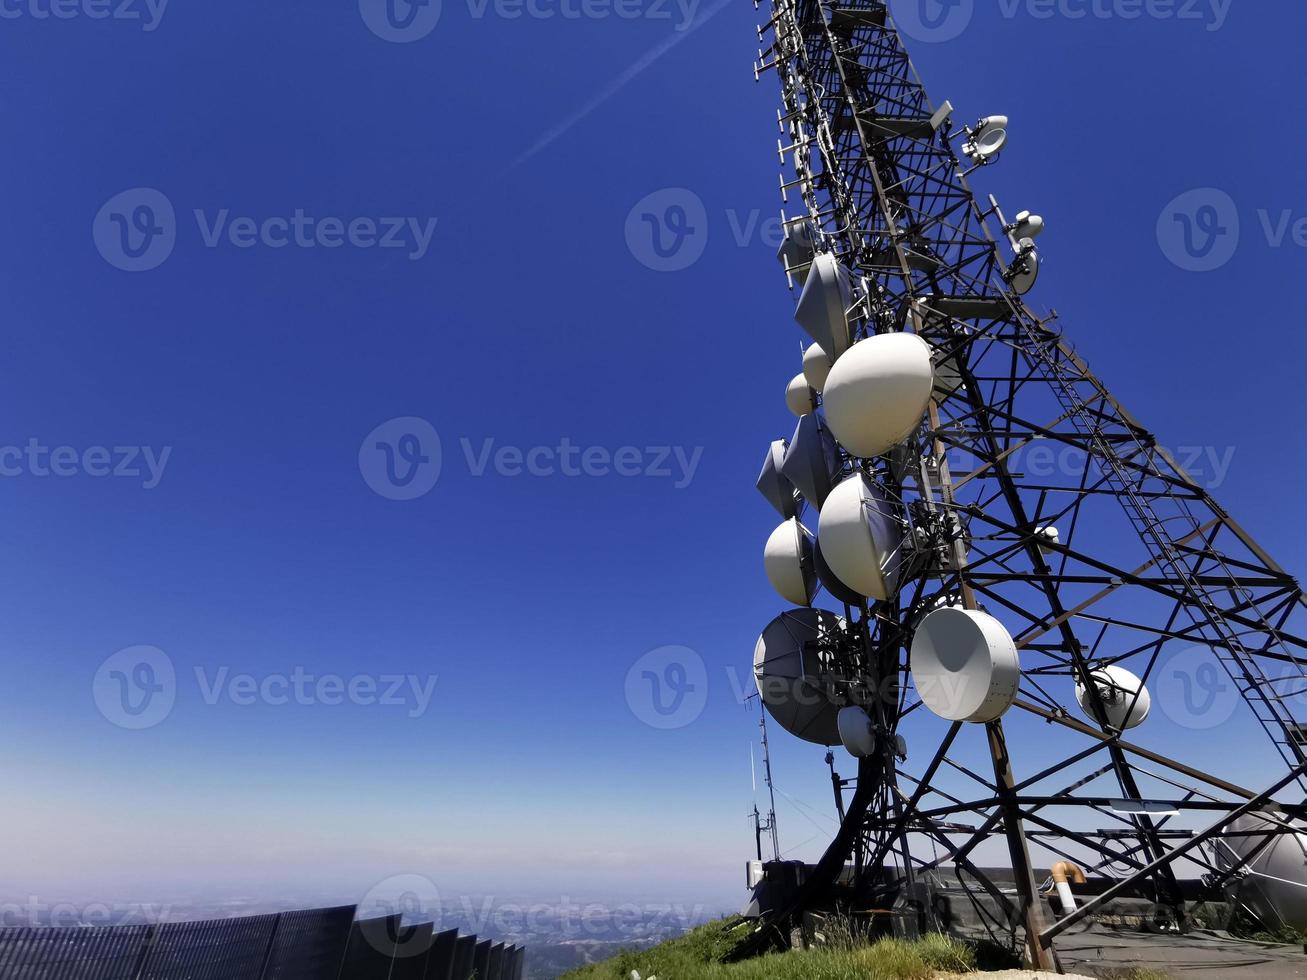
(856, 733)
(816, 367)
(987, 140)
(861, 539)
(789, 562)
(1023, 273)
(1117, 689)
(799, 397)
(1027, 225)
(1048, 536)
(823, 306)
(772, 483)
(790, 669)
(812, 463)
(877, 393)
(965, 665)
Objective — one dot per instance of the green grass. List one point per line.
(1133, 973)
(698, 955)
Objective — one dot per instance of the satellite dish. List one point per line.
(1117, 688)
(799, 397)
(790, 564)
(861, 539)
(831, 582)
(812, 463)
(790, 668)
(876, 394)
(987, 140)
(795, 253)
(1276, 886)
(824, 303)
(773, 485)
(1023, 273)
(1027, 225)
(816, 367)
(965, 665)
(856, 733)
(1048, 536)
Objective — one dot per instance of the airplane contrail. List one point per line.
(618, 83)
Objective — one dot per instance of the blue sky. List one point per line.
(529, 315)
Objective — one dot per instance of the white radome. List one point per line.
(1276, 884)
(861, 541)
(816, 366)
(877, 393)
(856, 733)
(1117, 688)
(798, 396)
(965, 665)
(788, 561)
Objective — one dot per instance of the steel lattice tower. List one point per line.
(1145, 557)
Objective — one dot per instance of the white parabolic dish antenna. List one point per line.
(856, 732)
(1025, 270)
(1276, 887)
(1117, 688)
(878, 391)
(860, 539)
(816, 366)
(788, 560)
(964, 665)
(824, 303)
(788, 669)
(798, 396)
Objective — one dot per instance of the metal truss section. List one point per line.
(1143, 562)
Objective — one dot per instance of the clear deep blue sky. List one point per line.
(263, 548)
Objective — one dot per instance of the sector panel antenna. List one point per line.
(773, 485)
(812, 461)
(877, 393)
(790, 665)
(965, 665)
(823, 306)
(861, 540)
(789, 561)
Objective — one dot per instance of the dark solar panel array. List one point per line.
(314, 944)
